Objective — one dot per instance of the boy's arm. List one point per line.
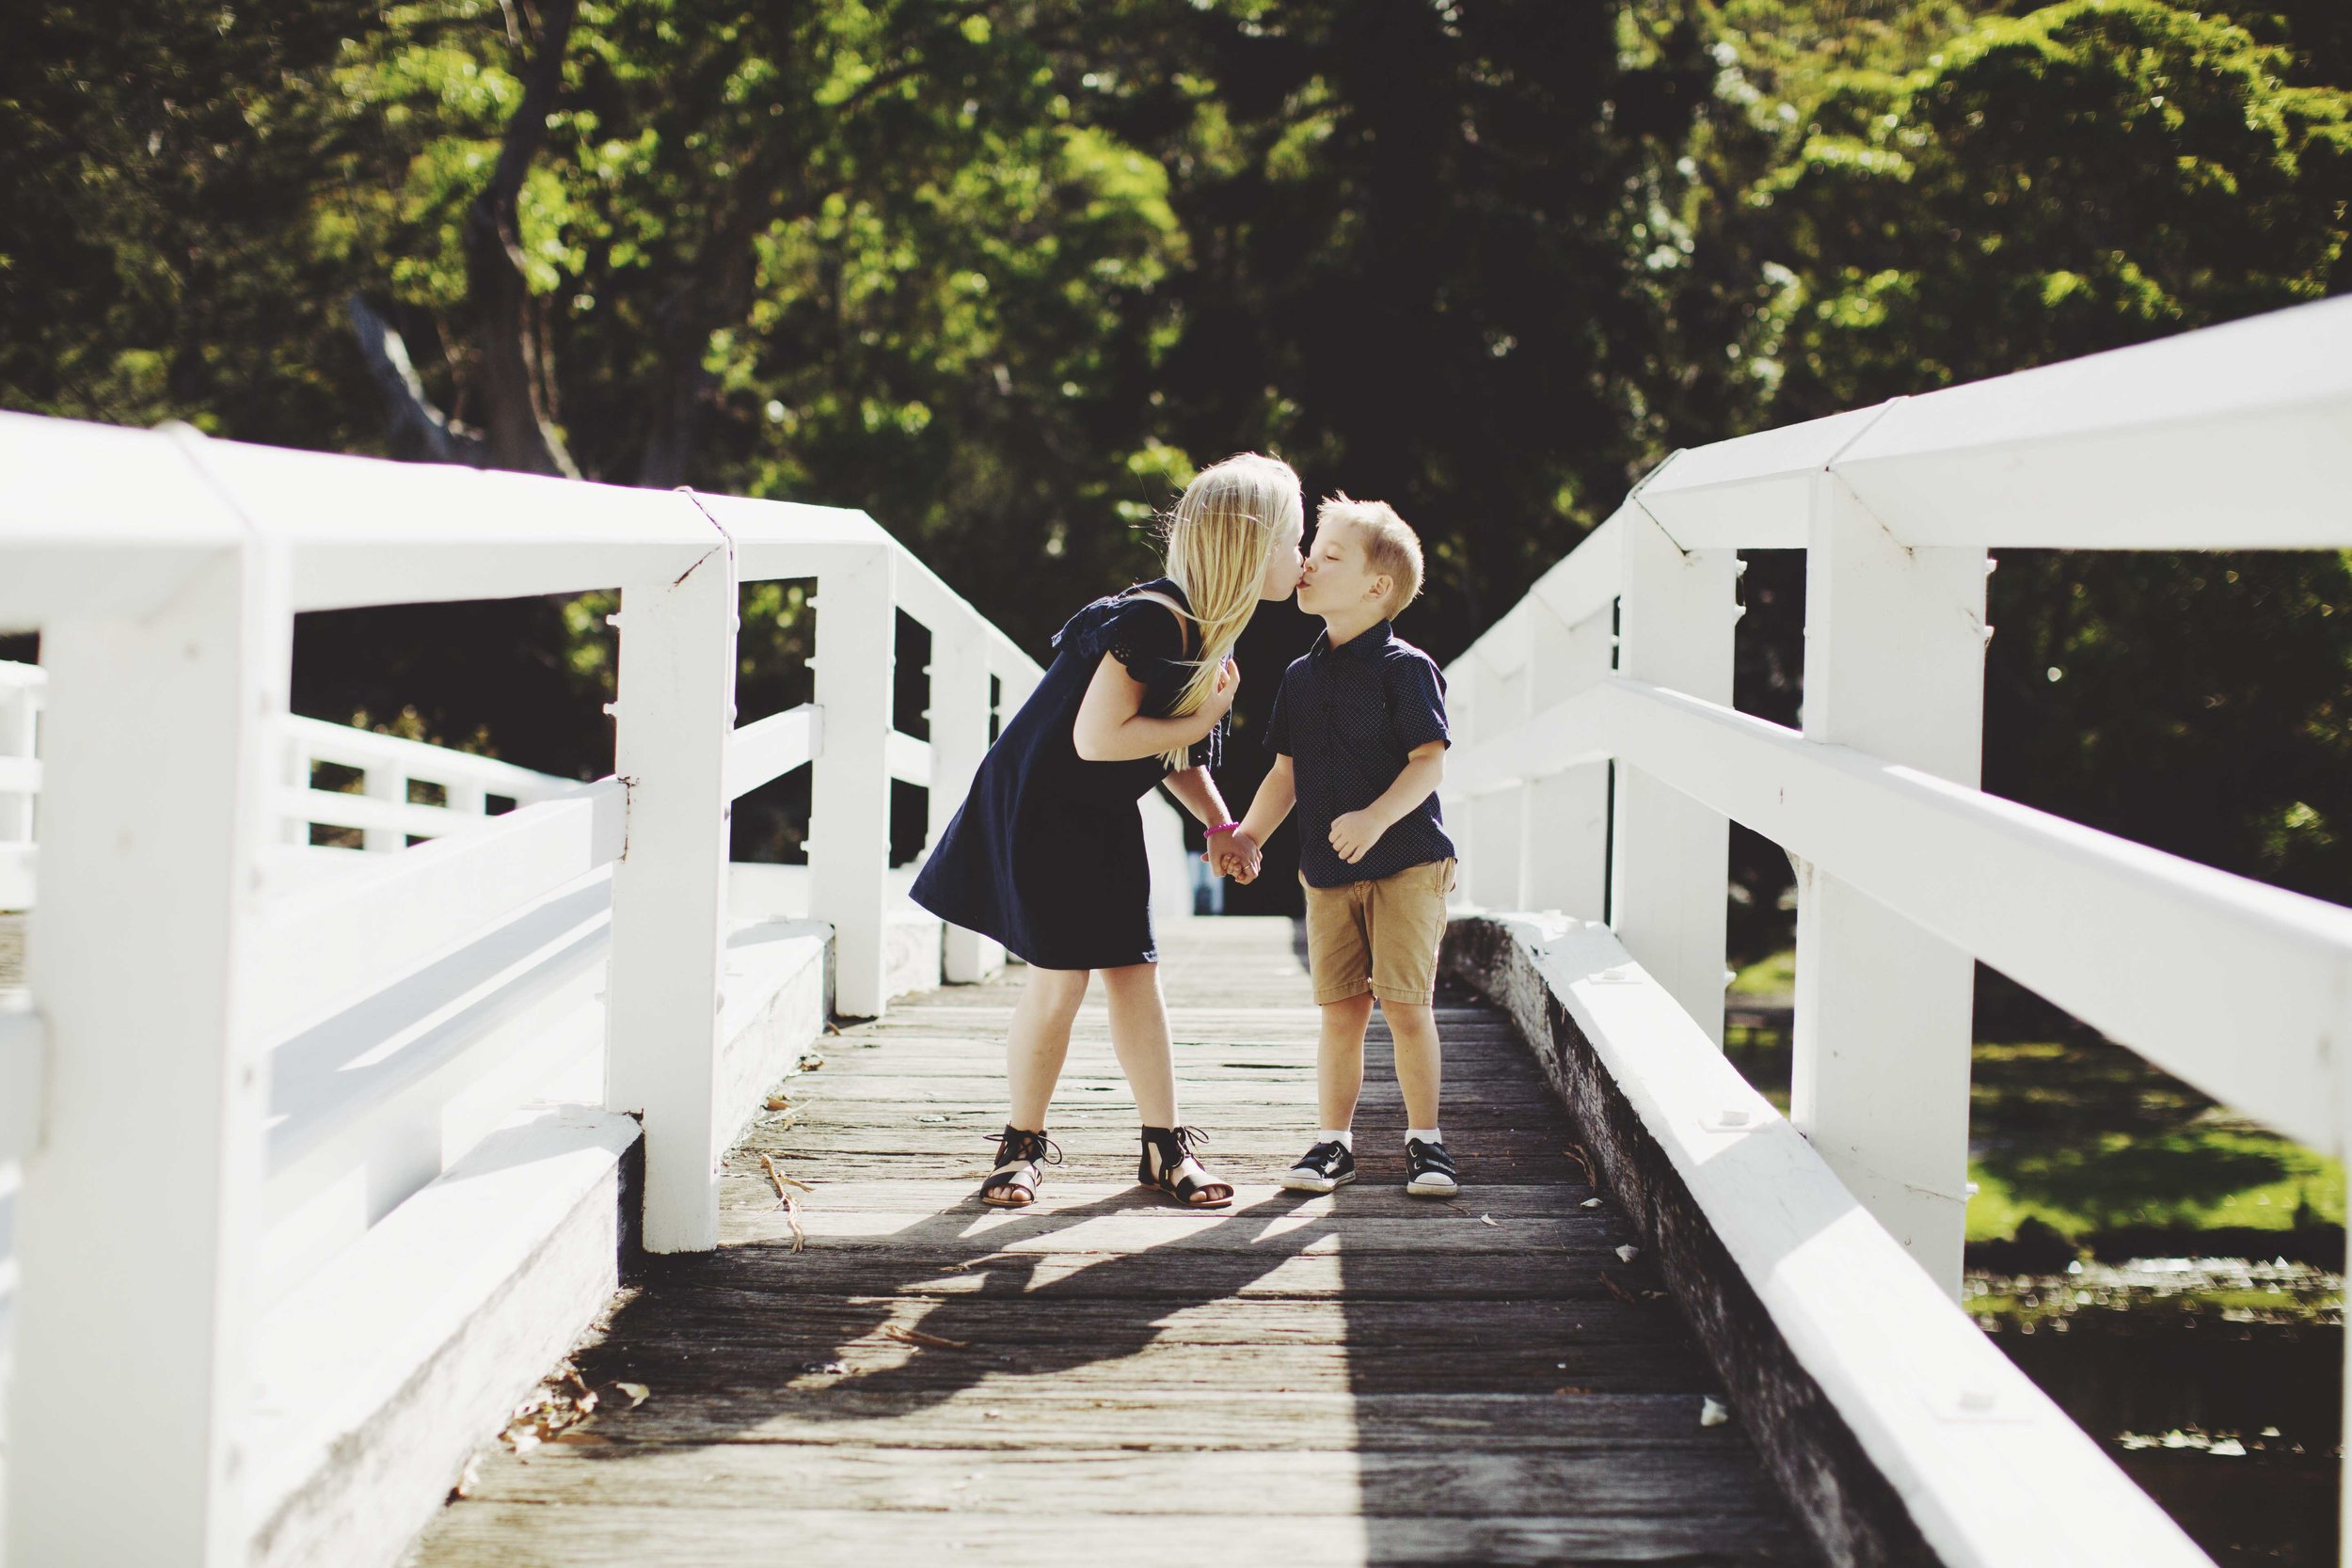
(1277, 794)
(1354, 834)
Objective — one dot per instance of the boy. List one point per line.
(1358, 733)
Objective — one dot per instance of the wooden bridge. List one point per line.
(1360, 1378)
(318, 1163)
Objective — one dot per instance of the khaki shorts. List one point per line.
(1380, 937)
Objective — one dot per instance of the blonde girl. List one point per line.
(1046, 854)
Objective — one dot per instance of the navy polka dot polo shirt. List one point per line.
(1349, 717)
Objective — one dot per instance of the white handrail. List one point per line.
(1618, 661)
(331, 942)
(117, 544)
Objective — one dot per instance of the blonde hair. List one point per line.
(1390, 544)
(1218, 541)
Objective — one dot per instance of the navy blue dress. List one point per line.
(1046, 853)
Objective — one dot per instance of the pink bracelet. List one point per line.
(1222, 828)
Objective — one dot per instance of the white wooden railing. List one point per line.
(21, 688)
(183, 933)
(2235, 437)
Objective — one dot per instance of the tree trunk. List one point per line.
(515, 376)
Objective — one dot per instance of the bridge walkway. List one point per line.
(1366, 1378)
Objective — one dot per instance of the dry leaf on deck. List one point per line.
(1626, 1253)
(779, 1102)
(1619, 1291)
(637, 1394)
(1712, 1413)
(792, 1218)
(916, 1337)
(1489, 1219)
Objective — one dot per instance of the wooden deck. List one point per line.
(1366, 1378)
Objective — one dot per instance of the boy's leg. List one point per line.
(1340, 1060)
(1413, 1026)
(1038, 1041)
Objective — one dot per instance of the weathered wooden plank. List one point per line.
(1043, 1415)
(1594, 1483)
(534, 1535)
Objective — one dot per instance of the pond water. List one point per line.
(2216, 1384)
(2114, 1209)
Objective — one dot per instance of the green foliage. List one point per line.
(1002, 272)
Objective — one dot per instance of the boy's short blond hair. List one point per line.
(1391, 545)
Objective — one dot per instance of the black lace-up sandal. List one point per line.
(1021, 1159)
(1167, 1166)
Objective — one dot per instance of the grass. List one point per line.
(2086, 1137)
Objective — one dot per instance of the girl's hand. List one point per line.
(1219, 702)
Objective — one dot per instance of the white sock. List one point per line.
(1344, 1137)
(1426, 1135)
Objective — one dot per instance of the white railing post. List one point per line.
(849, 836)
(676, 713)
(1496, 819)
(388, 783)
(1566, 831)
(140, 1209)
(1670, 868)
(1894, 666)
(959, 720)
(17, 724)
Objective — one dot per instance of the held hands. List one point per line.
(1235, 854)
(1354, 834)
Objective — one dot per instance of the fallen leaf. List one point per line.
(1590, 1203)
(1712, 1413)
(523, 1440)
(792, 1217)
(1619, 1291)
(1584, 1161)
(823, 1367)
(637, 1392)
(930, 1119)
(1572, 1388)
(467, 1478)
(1626, 1253)
(779, 1102)
(780, 1181)
(916, 1337)
(586, 1404)
(1489, 1219)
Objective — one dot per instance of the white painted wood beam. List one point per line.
(674, 722)
(1670, 863)
(317, 948)
(767, 749)
(150, 874)
(1894, 667)
(848, 842)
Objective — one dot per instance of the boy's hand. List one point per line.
(1239, 857)
(1354, 834)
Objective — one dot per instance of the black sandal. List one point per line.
(1170, 1150)
(1020, 1157)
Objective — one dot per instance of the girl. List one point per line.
(1046, 853)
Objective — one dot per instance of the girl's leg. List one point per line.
(1340, 1060)
(1038, 1041)
(1413, 1026)
(1139, 1038)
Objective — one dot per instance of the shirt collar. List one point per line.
(1366, 644)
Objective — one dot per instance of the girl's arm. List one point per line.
(1199, 793)
(1110, 727)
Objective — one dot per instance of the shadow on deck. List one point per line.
(1365, 1378)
